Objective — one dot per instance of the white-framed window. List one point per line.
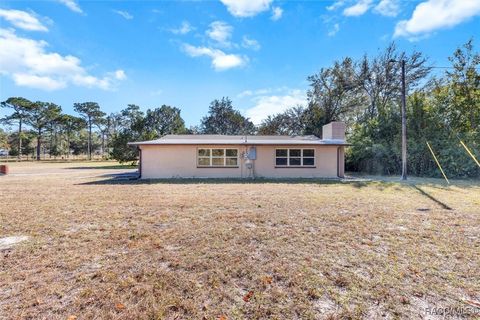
(294, 157)
(217, 157)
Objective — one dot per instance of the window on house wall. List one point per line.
(217, 157)
(294, 157)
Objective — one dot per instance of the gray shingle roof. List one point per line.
(238, 140)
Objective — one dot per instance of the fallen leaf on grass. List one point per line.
(267, 280)
(404, 300)
(119, 306)
(248, 296)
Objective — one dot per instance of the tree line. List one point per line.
(443, 108)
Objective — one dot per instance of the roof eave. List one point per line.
(297, 143)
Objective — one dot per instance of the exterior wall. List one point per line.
(341, 162)
(180, 161)
(325, 163)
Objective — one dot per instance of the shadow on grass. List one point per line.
(442, 204)
(115, 166)
(438, 183)
(131, 179)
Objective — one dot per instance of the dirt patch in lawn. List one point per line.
(9, 242)
(259, 250)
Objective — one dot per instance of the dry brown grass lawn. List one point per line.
(233, 250)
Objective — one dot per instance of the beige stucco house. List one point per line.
(222, 156)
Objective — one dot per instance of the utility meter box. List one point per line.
(252, 153)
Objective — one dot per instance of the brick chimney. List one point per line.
(334, 131)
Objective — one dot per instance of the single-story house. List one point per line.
(244, 156)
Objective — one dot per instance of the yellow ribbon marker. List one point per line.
(470, 153)
(438, 163)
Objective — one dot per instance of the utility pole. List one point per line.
(404, 124)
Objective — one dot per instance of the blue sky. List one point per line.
(187, 53)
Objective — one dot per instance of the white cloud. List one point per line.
(220, 60)
(29, 64)
(277, 13)
(120, 75)
(245, 93)
(388, 8)
(183, 29)
(22, 20)
(432, 15)
(124, 14)
(221, 32)
(38, 82)
(89, 81)
(246, 8)
(258, 92)
(250, 43)
(266, 105)
(358, 8)
(337, 4)
(334, 30)
(72, 5)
